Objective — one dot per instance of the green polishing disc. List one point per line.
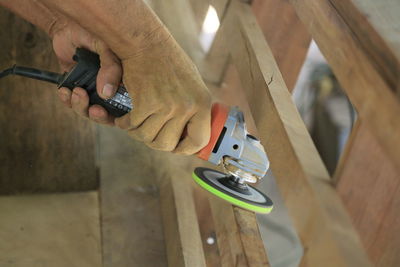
(223, 186)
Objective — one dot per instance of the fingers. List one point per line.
(198, 134)
(100, 115)
(168, 137)
(150, 128)
(80, 101)
(65, 96)
(110, 73)
(135, 118)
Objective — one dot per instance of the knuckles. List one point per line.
(167, 147)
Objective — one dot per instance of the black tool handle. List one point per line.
(84, 74)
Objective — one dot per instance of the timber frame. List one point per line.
(366, 63)
(253, 62)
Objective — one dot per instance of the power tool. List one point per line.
(240, 154)
(83, 75)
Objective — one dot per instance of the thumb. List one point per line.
(110, 73)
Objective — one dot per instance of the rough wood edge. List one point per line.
(356, 72)
(238, 236)
(319, 215)
(181, 229)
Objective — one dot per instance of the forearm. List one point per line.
(127, 26)
(32, 11)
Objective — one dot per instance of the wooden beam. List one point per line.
(373, 98)
(319, 216)
(132, 230)
(215, 62)
(181, 228)
(200, 8)
(44, 146)
(369, 185)
(238, 235)
(376, 24)
(287, 37)
(206, 226)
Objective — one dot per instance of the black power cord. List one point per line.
(83, 75)
(37, 74)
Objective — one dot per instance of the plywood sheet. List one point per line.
(44, 146)
(130, 206)
(50, 230)
(369, 185)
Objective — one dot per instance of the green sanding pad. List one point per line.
(221, 185)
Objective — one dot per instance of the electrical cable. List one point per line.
(36, 74)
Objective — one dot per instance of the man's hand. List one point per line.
(171, 103)
(67, 36)
(172, 106)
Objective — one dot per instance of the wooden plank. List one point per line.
(137, 182)
(60, 230)
(238, 235)
(132, 231)
(346, 152)
(200, 8)
(44, 147)
(287, 37)
(376, 25)
(214, 63)
(369, 185)
(355, 69)
(319, 216)
(206, 226)
(181, 229)
(221, 6)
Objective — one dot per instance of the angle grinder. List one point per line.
(240, 154)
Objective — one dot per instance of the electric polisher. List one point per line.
(240, 154)
(242, 158)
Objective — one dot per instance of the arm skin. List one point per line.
(32, 11)
(127, 26)
(168, 92)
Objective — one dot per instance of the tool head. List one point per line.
(230, 189)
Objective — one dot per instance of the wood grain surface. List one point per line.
(356, 68)
(319, 216)
(44, 147)
(45, 230)
(131, 225)
(376, 26)
(369, 185)
(287, 37)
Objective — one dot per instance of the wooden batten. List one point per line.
(319, 216)
(369, 92)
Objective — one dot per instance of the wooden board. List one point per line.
(238, 236)
(200, 9)
(44, 147)
(356, 71)
(206, 226)
(285, 34)
(376, 25)
(60, 230)
(132, 229)
(319, 216)
(182, 234)
(369, 185)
